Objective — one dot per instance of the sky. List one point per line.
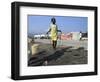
(38, 24)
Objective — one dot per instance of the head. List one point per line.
(53, 20)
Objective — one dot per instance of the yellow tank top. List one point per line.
(53, 28)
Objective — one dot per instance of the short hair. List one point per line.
(53, 20)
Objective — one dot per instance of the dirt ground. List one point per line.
(65, 54)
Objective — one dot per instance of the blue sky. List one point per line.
(40, 24)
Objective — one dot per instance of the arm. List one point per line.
(59, 31)
(48, 31)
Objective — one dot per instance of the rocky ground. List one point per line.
(67, 53)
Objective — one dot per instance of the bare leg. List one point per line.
(55, 44)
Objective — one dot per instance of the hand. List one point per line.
(47, 33)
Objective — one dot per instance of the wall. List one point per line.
(5, 40)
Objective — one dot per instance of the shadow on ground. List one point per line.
(61, 56)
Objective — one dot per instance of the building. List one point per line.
(71, 36)
(67, 36)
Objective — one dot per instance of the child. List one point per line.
(54, 32)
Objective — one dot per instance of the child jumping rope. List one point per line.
(54, 32)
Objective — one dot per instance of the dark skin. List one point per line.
(54, 42)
